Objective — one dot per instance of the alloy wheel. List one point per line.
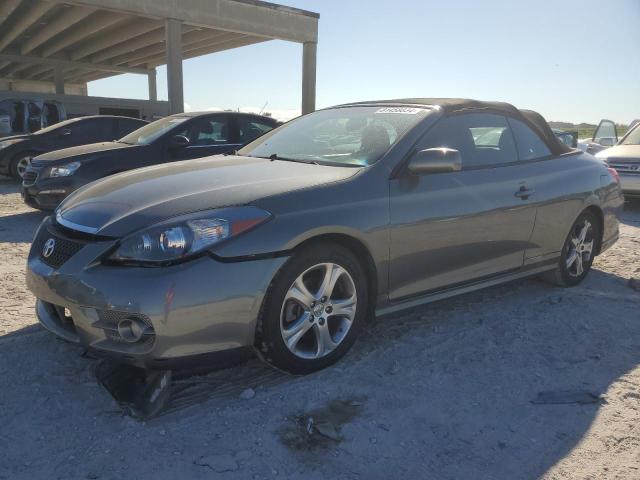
(22, 166)
(580, 251)
(318, 311)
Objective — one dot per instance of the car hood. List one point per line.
(129, 201)
(84, 152)
(15, 137)
(621, 153)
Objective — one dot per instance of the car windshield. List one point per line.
(58, 125)
(633, 137)
(347, 136)
(152, 131)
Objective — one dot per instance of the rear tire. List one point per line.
(318, 302)
(577, 253)
(19, 164)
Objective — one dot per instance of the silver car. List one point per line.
(625, 159)
(292, 244)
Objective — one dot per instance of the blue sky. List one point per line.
(572, 60)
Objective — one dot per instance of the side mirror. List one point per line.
(65, 132)
(436, 160)
(179, 141)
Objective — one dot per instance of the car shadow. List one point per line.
(462, 388)
(20, 227)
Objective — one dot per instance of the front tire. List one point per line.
(578, 252)
(19, 164)
(314, 309)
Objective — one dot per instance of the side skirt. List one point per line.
(466, 288)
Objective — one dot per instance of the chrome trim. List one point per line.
(74, 226)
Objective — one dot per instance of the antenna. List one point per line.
(263, 107)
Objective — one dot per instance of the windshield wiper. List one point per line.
(274, 156)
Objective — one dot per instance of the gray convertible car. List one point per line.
(289, 246)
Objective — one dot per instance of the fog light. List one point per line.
(131, 330)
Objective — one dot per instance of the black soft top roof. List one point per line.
(451, 105)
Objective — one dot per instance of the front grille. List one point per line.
(29, 178)
(63, 248)
(626, 168)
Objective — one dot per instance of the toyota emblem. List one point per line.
(49, 247)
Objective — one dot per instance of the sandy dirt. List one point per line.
(446, 391)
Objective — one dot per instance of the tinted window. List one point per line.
(252, 128)
(530, 145)
(208, 131)
(147, 134)
(95, 129)
(482, 139)
(127, 125)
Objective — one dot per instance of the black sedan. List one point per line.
(52, 177)
(16, 151)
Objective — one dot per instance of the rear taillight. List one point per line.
(614, 174)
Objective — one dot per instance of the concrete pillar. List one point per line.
(309, 53)
(173, 37)
(58, 79)
(153, 86)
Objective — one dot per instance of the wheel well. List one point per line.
(361, 252)
(596, 212)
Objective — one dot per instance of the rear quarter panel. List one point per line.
(565, 187)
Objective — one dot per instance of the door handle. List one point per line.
(524, 193)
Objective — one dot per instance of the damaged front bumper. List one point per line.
(149, 317)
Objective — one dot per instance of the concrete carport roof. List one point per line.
(78, 41)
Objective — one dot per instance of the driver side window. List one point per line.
(208, 131)
(483, 139)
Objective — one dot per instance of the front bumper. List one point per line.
(630, 184)
(191, 309)
(46, 193)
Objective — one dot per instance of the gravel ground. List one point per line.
(446, 391)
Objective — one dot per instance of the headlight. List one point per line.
(64, 170)
(6, 143)
(192, 235)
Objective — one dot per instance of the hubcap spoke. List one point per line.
(587, 247)
(295, 332)
(300, 294)
(332, 273)
(584, 231)
(324, 341)
(579, 268)
(344, 308)
(571, 259)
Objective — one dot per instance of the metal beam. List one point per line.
(69, 64)
(138, 43)
(24, 22)
(35, 70)
(7, 8)
(245, 16)
(121, 34)
(197, 52)
(95, 24)
(198, 38)
(63, 21)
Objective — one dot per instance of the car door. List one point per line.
(604, 136)
(208, 135)
(455, 227)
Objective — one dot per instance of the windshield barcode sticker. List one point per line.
(402, 110)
